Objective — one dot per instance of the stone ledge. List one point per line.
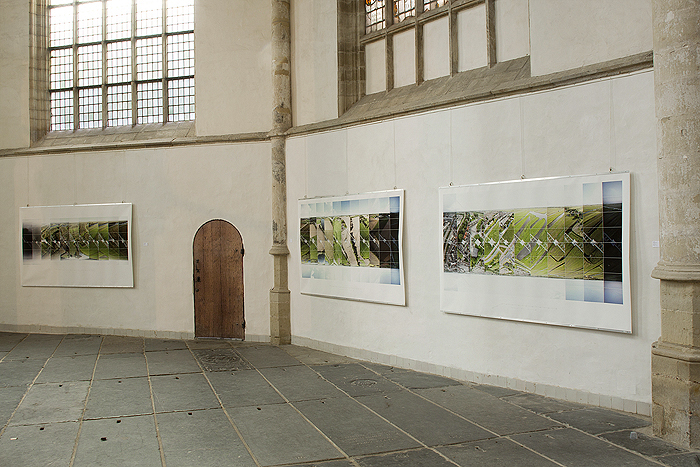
(503, 79)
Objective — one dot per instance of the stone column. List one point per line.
(676, 355)
(280, 327)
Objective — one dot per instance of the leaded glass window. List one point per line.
(120, 62)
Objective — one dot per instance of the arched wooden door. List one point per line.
(218, 281)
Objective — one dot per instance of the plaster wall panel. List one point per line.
(173, 191)
(567, 131)
(14, 74)
(582, 123)
(13, 192)
(327, 164)
(51, 180)
(315, 73)
(512, 29)
(404, 58)
(486, 142)
(569, 34)
(375, 65)
(370, 166)
(471, 38)
(233, 82)
(635, 146)
(436, 48)
(423, 163)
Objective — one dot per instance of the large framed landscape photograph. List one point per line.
(551, 251)
(85, 245)
(351, 247)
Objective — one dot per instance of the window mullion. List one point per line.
(76, 92)
(164, 45)
(134, 85)
(105, 115)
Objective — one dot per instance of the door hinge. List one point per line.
(242, 250)
(243, 324)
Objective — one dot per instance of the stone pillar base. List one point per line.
(280, 321)
(675, 382)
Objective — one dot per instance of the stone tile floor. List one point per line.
(79, 400)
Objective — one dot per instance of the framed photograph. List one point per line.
(351, 247)
(85, 245)
(551, 250)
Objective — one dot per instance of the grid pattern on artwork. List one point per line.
(368, 240)
(107, 240)
(574, 242)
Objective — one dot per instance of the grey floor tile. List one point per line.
(486, 410)
(414, 458)
(356, 430)
(8, 340)
(171, 362)
(201, 438)
(208, 344)
(689, 459)
(423, 420)
(499, 452)
(575, 449)
(38, 445)
(60, 369)
(497, 391)
(277, 434)
(121, 344)
(9, 400)
(413, 379)
(35, 346)
(299, 383)
(223, 359)
(121, 365)
(356, 380)
(128, 441)
(540, 404)
(182, 392)
(315, 357)
(267, 356)
(52, 402)
(19, 372)
(164, 344)
(119, 397)
(333, 463)
(596, 420)
(243, 388)
(79, 344)
(641, 443)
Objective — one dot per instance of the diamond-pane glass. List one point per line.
(180, 55)
(119, 62)
(61, 70)
(118, 19)
(62, 110)
(150, 102)
(149, 17)
(149, 58)
(119, 105)
(180, 15)
(90, 65)
(61, 26)
(90, 108)
(89, 22)
(181, 100)
(374, 15)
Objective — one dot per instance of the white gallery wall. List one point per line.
(596, 127)
(173, 191)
